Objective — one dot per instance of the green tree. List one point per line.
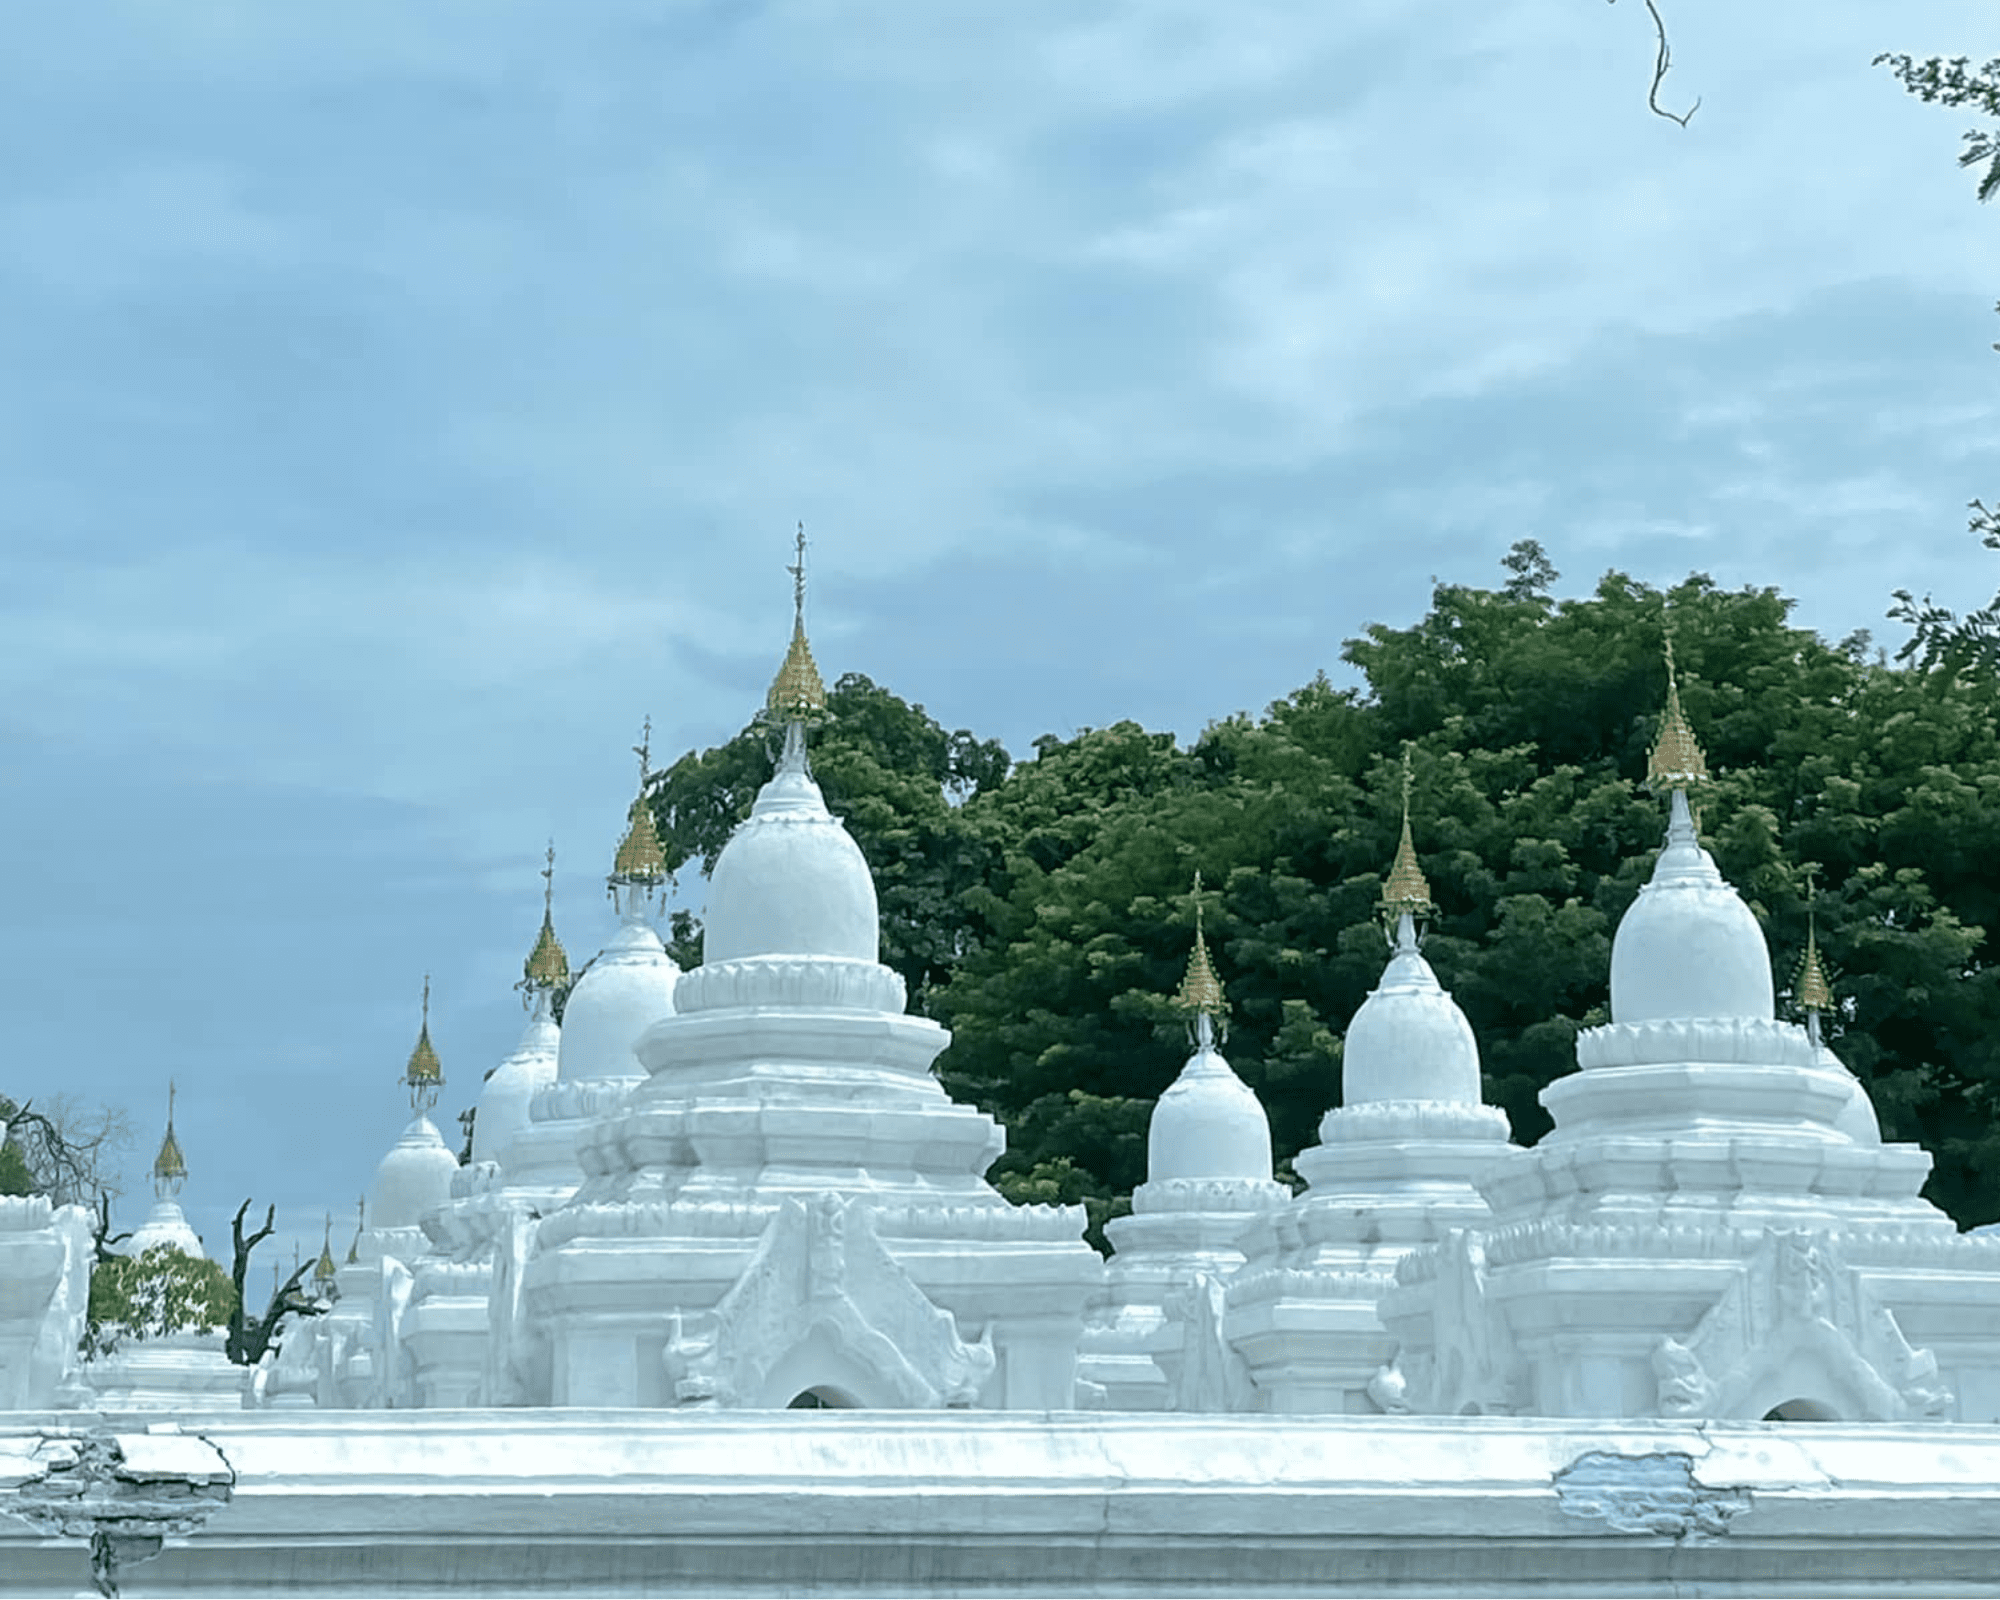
(1955, 82)
(1529, 721)
(162, 1291)
(1941, 640)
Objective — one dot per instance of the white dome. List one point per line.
(1208, 1125)
(790, 881)
(165, 1224)
(1689, 948)
(629, 987)
(1409, 1040)
(1857, 1118)
(503, 1102)
(414, 1177)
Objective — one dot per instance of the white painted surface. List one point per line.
(829, 1503)
(1409, 1040)
(413, 1177)
(791, 881)
(1688, 947)
(504, 1101)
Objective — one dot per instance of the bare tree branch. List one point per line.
(68, 1149)
(250, 1337)
(1662, 60)
(102, 1237)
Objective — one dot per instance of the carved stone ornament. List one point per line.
(1209, 1374)
(1474, 1366)
(1798, 1325)
(827, 983)
(821, 1285)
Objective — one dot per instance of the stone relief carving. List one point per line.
(1798, 1324)
(819, 1273)
(1474, 1365)
(1727, 1040)
(833, 983)
(508, 1379)
(54, 1366)
(1208, 1375)
(1389, 1389)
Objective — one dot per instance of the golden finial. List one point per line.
(170, 1166)
(547, 966)
(424, 1074)
(640, 858)
(1677, 761)
(1200, 992)
(1812, 991)
(360, 1226)
(797, 694)
(324, 1269)
(1406, 889)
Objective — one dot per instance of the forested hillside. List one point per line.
(1041, 908)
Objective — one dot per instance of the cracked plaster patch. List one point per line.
(124, 1494)
(1655, 1494)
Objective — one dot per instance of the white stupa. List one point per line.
(790, 1210)
(166, 1224)
(365, 1363)
(1208, 1172)
(1393, 1170)
(448, 1329)
(1712, 1229)
(626, 988)
(620, 993)
(188, 1368)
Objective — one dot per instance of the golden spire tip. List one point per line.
(1201, 991)
(1676, 761)
(640, 858)
(424, 1071)
(547, 966)
(1406, 889)
(1812, 990)
(797, 694)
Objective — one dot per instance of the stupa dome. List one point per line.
(1689, 947)
(414, 1177)
(1409, 1040)
(165, 1224)
(1857, 1118)
(1209, 1124)
(791, 881)
(628, 988)
(503, 1102)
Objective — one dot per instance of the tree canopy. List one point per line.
(162, 1291)
(1042, 909)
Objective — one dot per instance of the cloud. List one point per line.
(410, 399)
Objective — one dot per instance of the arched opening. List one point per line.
(1802, 1411)
(1471, 1409)
(822, 1397)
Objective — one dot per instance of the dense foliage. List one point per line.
(1043, 910)
(160, 1292)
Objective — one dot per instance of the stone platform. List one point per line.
(912, 1503)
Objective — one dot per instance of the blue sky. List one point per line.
(407, 398)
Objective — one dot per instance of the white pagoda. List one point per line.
(1208, 1174)
(789, 1210)
(1714, 1228)
(1394, 1170)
